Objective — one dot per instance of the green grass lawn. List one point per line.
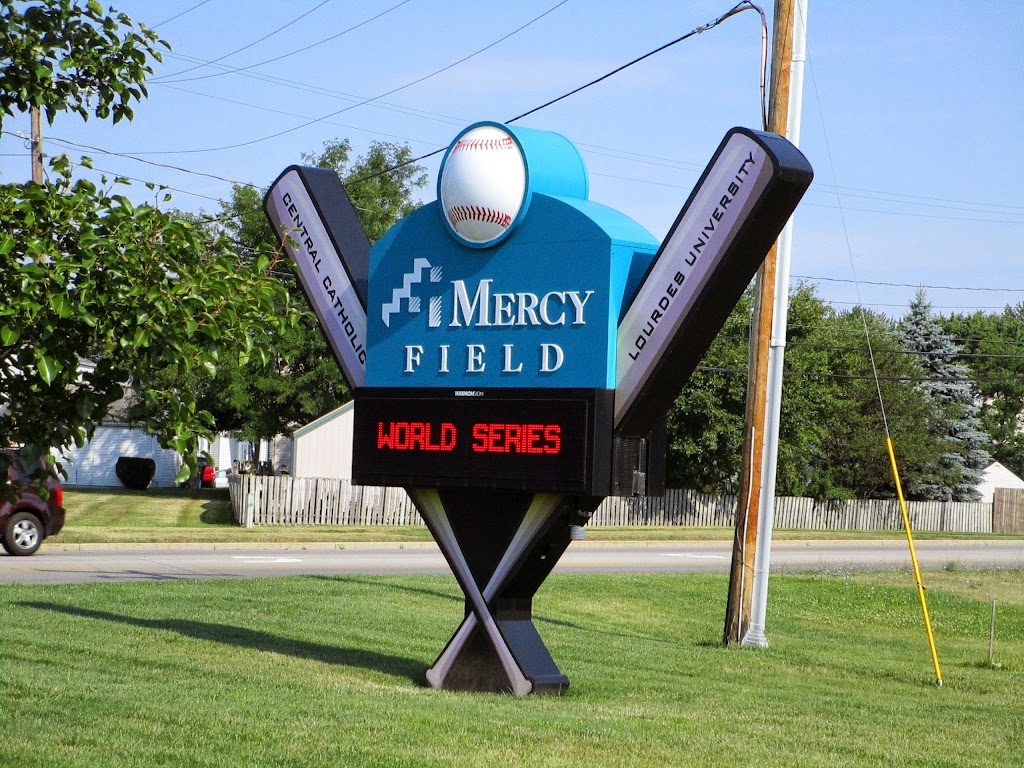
(327, 671)
(170, 515)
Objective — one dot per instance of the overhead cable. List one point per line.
(373, 98)
(283, 27)
(304, 49)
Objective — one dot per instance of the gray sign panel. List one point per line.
(327, 247)
(721, 236)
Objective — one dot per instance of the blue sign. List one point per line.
(512, 278)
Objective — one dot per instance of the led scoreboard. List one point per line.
(513, 439)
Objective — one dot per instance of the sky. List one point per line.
(911, 117)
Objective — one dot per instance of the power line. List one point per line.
(845, 208)
(178, 16)
(636, 157)
(918, 215)
(373, 98)
(911, 352)
(303, 49)
(293, 114)
(159, 186)
(632, 157)
(859, 331)
(921, 197)
(746, 5)
(738, 8)
(591, 149)
(653, 159)
(909, 285)
(822, 375)
(76, 145)
(321, 91)
(974, 209)
(883, 304)
(283, 27)
(625, 154)
(648, 159)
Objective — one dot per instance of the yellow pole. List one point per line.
(913, 559)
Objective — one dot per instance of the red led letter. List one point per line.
(480, 444)
(385, 440)
(448, 437)
(552, 433)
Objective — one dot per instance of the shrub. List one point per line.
(134, 472)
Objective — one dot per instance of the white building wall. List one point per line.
(95, 463)
(226, 450)
(323, 448)
(281, 453)
(995, 475)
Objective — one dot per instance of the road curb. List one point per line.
(58, 546)
(237, 545)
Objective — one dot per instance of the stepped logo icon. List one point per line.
(413, 303)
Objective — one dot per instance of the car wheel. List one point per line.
(23, 534)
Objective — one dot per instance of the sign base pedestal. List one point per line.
(500, 546)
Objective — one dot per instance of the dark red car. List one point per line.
(26, 522)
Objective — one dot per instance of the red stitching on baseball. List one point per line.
(460, 213)
(488, 144)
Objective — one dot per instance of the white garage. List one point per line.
(323, 448)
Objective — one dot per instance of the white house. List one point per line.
(323, 448)
(995, 475)
(95, 462)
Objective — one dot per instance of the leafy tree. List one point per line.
(85, 272)
(59, 55)
(705, 424)
(380, 183)
(995, 345)
(808, 398)
(852, 460)
(832, 436)
(950, 388)
(302, 380)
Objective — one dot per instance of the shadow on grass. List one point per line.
(217, 512)
(399, 587)
(241, 637)
(432, 593)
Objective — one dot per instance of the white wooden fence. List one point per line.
(257, 500)
(682, 507)
(286, 500)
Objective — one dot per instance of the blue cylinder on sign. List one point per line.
(490, 173)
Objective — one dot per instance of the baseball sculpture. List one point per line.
(483, 185)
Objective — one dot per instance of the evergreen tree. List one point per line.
(994, 344)
(949, 386)
(852, 461)
(831, 441)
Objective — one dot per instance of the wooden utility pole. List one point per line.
(741, 574)
(37, 145)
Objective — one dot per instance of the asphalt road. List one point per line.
(56, 564)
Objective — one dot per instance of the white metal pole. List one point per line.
(776, 354)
